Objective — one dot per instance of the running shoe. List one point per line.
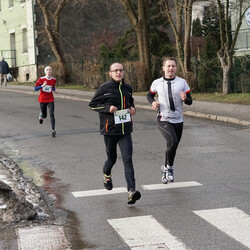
(164, 178)
(40, 118)
(53, 133)
(170, 174)
(133, 196)
(107, 181)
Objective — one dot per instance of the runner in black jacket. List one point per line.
(115, 104)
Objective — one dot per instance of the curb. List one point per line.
(217, 118)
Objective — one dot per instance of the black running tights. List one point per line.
(126, 147)
(51, 107)
(172, 133)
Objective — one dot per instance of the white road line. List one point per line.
(231, 221)
(171, 185)
(144, 232)
(47, 237)
(96, 192)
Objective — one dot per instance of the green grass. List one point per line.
(239, 98)
(242, 98)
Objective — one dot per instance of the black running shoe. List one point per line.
(40, 118)
(53, 133)
(107, 181)
(133, 196)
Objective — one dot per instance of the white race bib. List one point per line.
(47, 88)
(122, 116)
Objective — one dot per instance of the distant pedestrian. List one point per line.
(46, 85)
(115, 104)
(172, 92)
(4, 70)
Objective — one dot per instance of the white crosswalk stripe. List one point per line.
(118, 190)
(144, 232)
(171, 185)
(231, 221)
(97, 192)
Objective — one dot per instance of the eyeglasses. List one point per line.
(117, 70)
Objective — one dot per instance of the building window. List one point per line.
(22, 1)
(10, 3)
(243, 40)
(25, 40)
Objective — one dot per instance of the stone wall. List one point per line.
(26, 74)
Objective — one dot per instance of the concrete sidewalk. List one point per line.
(230, 113)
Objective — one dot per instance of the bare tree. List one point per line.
(52, 13)
(227, 46)
(180, 19)
(139, 18)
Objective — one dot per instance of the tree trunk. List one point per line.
(144, 52)
(140, 24)
(226, 81)
(187, 27)
(226, 64)
(225, 54)
(182, 15)
(53, 39)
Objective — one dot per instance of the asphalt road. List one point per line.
(212, 154)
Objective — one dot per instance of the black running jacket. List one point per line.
(118, 94)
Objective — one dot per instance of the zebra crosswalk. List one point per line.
(145, 232)
(231, 221)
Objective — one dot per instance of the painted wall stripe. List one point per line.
(231, 221)
(171, 185)
(144, 232)
(96, 192)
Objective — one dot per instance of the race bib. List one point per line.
(122, 116)
(47, 88)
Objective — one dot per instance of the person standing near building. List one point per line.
(4, 70)
(172, 92)
(46, 85)
(115, 104)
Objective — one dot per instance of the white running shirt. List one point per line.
(160, 87)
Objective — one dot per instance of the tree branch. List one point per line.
(130, 10)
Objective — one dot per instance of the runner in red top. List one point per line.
(46, 85)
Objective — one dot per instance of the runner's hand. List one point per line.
(132, 111)
(183, 96)
(112, 109)
(155, 105)
(44, 84)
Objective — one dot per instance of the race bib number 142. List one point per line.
(122, 116)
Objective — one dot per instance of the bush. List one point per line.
(93, 75)
(135, 75)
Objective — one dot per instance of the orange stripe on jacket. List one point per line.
(107, 123)
(124, 103)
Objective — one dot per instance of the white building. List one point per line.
(17, 38)
(242, 46)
